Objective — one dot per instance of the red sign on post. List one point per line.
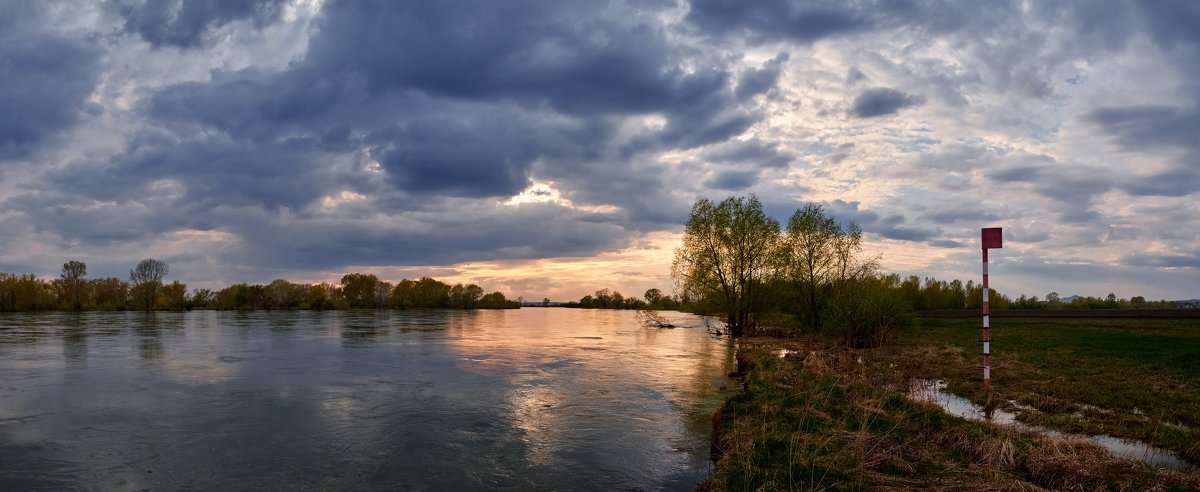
(993, 238)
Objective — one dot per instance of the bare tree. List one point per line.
(147, 278)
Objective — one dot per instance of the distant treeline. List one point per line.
(929, 294)
(934, 294)
(146, 290)
(606, 299)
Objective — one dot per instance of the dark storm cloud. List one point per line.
(579, 58)
(756, 81)
(529, 231)
(1020, 174)
(960, 213)
(752, 152)
(732, 180)
(185, 23)
(1183, 180)
(75, 218)
(527, 81)
(1175, 27)
(406, 107)
(1150, 127)
(1173, 23)
(1075, 187)
(774, 19)
(1163, 261)
(206, 171)
(1076, 191)
(854, 76)
(945, 243)
(45, 80)
(881, 101)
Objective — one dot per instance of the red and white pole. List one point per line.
(992, 237)
(987, 332)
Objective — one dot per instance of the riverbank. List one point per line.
(814, 416)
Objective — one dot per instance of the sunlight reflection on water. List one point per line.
(545, 398)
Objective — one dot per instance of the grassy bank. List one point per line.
(823, 417)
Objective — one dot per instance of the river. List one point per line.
(536, 398)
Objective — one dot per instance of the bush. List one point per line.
(867, 312)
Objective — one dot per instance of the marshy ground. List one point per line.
(820, 417)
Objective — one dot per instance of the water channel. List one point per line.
(536, 398)
(934, 391)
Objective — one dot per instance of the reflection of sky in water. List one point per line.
(534, 398)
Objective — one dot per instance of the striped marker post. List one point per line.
(992, 237)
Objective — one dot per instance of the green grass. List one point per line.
(1138, 379)
(823, 420)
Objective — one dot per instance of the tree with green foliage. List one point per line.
(281, 294)
(25, 293)
(319, 297)
(146, 279)
(109, 294)
(728, 254)
(431, 293)
(202, 299)
(652, 296)
(497, 300)
(359, 289)
(74, 285)
(811, 246)
(465, 296)
(173, 296)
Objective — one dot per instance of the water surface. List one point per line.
(428, 400)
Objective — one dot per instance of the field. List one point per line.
(824, 417)
(1134, 378)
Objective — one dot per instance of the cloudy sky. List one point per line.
(550, 148)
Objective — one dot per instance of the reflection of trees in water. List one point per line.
(150, 328)
(150, 346)
(432, 320)
(281, 321)
(74, 341)
(363, 326)
(366, 326)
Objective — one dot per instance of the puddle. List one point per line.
(934, 391)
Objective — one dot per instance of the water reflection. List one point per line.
(535, 398)
(934, 391)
